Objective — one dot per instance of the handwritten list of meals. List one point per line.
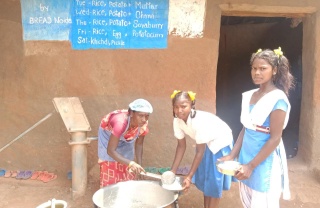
(98, 24)
(119, 24)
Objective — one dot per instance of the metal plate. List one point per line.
(228, 167)
(133, 194)
(72, 114)
(175, 186)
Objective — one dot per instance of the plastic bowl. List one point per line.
(228, 167)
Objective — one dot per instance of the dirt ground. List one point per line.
(16, 193)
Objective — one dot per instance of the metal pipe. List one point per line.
(79, 163)
(26, 131)
(93, 138)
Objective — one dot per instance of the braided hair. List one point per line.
(184, 94)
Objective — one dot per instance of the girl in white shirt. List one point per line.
(214, 140)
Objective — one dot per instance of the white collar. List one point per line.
(262, 108)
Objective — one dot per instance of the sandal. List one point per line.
(14, 173)
(183, 170)
(2, 172)
(19, 175)
(152, 169)
(27, 174)
(48, 177)
(69, 175)
(162, 170)
(8, 174)
(42, 175)
(35, 175)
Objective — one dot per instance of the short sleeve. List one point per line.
(281, 105)
(210, 127)
(118, 125)
(178, 133)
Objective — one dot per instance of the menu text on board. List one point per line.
(116, 24)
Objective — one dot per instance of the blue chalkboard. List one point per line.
(98, 24)
(46, 19)
(119, 24)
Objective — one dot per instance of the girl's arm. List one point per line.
(236, 148)
(139, 149)
(277, 118)
(200, 148)
(112, 151)
(180, 150)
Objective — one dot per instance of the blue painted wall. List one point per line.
(98, 24)
(46, 19)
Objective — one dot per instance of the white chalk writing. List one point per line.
(111, 23)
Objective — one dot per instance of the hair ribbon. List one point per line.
(278, 52)
(191, 94)
(174, 93)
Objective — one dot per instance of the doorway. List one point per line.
(239, 38)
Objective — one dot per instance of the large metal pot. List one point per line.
(134, 194)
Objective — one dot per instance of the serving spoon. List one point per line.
(167, 177)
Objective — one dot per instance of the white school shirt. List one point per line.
(206, 128)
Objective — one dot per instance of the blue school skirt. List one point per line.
(207, 177)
